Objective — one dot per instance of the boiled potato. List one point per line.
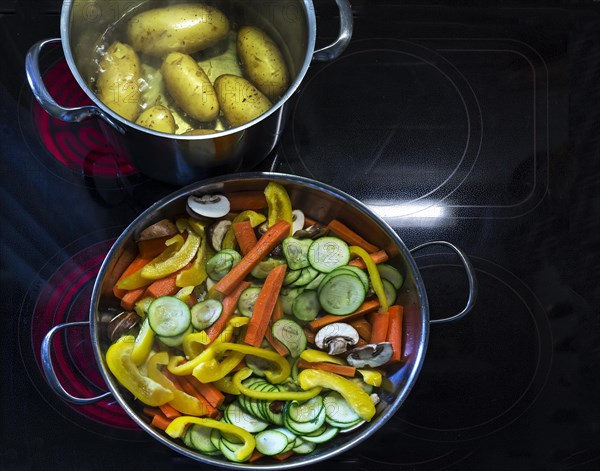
(185, 28)
(240, 101)
(262, 61)
(158, 118)
(189, 86)
(118, 80)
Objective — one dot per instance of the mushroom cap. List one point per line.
(208, 206)
(336, 337)
(373, 355)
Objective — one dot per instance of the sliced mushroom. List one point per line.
(311, 232)
(373, 354)
(336, 338)
(162, 228)
(297, 220)
(208, 206)
(216, 233)
(120, 324)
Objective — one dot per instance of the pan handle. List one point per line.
(51, 374)
(472, 280)
(335, 49)
(42, 95)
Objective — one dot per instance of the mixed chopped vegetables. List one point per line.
(250, 330)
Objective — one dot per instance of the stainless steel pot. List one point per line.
(319, 202)
(173, 158)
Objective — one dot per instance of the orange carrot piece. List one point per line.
(243, 200)
(378, 257)
(343, 370)
(229, 304)
(264, 305)
(131, 297)
(379, 326)
(362, 326)
(350, 236)
(283, 456)
(276, 344)
(151, 411)
(245, 236)
(137, 264)
(277, 311)
(152, 247)
(365, 308)
(256, 455)
(214, 397)
(265, 244)
(169, 411)
(162, 287)
(394, 332)
(160, 421)
(310, 335)
(187, 386)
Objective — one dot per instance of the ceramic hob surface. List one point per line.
(452, 122)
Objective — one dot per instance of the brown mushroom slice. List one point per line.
(216, 233)
(162, 228)
(121, 324)
(297, 220)
(208, 206)
(373, 355)
(337, 338)
(312, 232)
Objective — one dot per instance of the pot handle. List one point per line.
(472, 280)
(42, 95)
(335, 49)
(51, 374)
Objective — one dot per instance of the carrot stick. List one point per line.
(214, 397)
(277, 311)
(166, 286)
(151, 411)
(310, 335)
(137, 264)
(283, 456)
(276, 344)
(363, 327)
(256, 455)
(152, 247)
(379, 326)
(349, 236)
(229, 304)
(245, 236)
(365, 308)
(169, 411)
(343, 370)
(243, 200)
(378, 257)
(265, 244)
(394, 332)
(265, 303)
(131, 297)
(187, 386)
(160, 421)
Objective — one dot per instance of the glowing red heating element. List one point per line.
(65, 298)
(76, 145)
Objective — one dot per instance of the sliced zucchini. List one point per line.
(236, 415)
(314, 284)
(205, 313)
(271, 442)
(296, 252)
(262, 270)
(169, 316)
(328, 253)
(287, 296)
(229, 450)
(221, 263)
(364, 278)
(291, 335)
(338, 412)
(247, 300)
(306, 306)
(392, 274)
(390, 292)
(291, 276)
(175, 340)
(304, 447)
(341, 294)
(200, 438)
(322, 435)
(307, 275)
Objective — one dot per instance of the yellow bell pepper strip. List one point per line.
(177, 429)
(183, 369)
(253, 217)
(196, 274)
(213, 369)
(143, 343)
(226, 385)
(274, 377)
(194, 344)
(148, 391)
(313, 356)
(279, 204)
(245, 373)
(355, 396)
(181, 401)
(137, 279)
(370, 376)
(373, 275)
(163, 266)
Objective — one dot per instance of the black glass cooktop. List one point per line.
(452, 121)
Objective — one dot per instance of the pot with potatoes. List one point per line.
(187, 89)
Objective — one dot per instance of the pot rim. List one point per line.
(65, 20)
(313, 458)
